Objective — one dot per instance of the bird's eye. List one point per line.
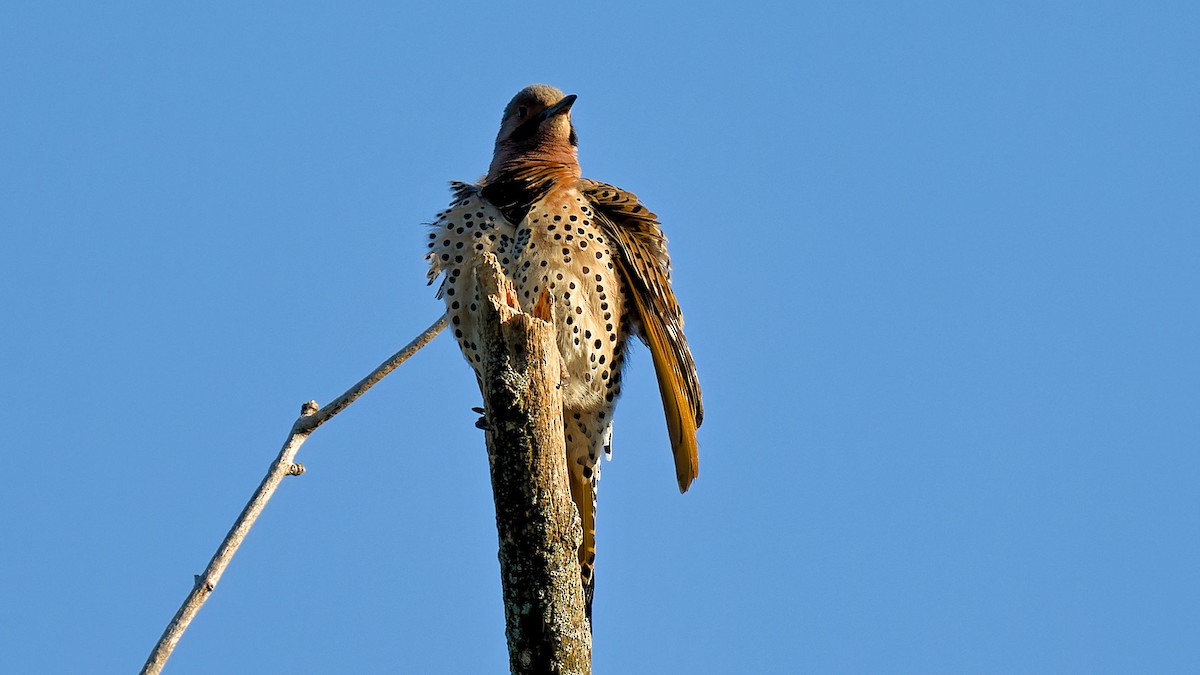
(521, 110)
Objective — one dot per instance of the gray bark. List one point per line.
(537, 523)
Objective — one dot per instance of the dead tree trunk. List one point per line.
(537, 523)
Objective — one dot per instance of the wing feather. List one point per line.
(641, 254)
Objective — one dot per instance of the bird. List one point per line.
(600, 258)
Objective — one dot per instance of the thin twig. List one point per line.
(310, 418)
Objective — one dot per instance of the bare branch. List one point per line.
(284, 465)
(338, 404)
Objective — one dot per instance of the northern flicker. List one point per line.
(602, 260)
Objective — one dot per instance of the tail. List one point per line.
(584, 494)
(587, 436)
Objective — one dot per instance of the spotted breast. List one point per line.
(601, 258)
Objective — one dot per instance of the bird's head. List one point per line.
(536, 128)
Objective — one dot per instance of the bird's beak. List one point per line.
(560, 108)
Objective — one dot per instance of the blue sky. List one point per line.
(939, 263)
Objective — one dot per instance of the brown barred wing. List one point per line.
(640, 250)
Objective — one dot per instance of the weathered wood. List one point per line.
(538, 526)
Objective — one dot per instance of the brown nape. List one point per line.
(529, 136)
